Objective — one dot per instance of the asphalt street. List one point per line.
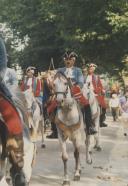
(109, 167)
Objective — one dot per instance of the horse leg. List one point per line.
(29, 157)
(97, 135)
(88, 149)
(42, 132)
(17, 162)
(35, 128)
(77, 164)
(18, 177)
(66, 181)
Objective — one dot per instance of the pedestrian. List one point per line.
(114, 105)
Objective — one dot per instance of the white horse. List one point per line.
(69, 122)
(29, 147)
(36, 119)
(95, 110)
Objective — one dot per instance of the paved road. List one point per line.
(109, 168)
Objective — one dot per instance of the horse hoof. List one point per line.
(66, 183)
(43, 146)
(77, 178)
(9, 181)
(99, 149)
(89, 162)
(125, 134)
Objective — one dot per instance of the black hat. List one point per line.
(69, 55)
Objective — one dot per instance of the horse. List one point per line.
(35, 113)
(95, 111)
(18, 177)
(69, 123)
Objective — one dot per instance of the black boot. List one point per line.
(102, 117)
(54, 133)
(88, 120)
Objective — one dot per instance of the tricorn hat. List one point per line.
(69, 55)
(89, 65)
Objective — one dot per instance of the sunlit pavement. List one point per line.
(109, 168)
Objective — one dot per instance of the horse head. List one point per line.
(61, 86)
(29, 98)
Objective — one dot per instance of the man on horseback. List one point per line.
(30, 81)
(76, 77)
(95, 84)
(10, 116)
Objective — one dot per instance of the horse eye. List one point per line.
(65, 83)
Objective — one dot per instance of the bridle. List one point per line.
(68, 85)
(63, 93)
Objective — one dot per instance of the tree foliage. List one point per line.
(96, 29)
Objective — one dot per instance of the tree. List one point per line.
(96, 29)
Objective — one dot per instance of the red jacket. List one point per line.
(99, 90)
(36, 86)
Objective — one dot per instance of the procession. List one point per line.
(63, 93)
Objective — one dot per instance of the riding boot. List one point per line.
(54, 133)
(102, 117)
(54, 130)
(88, 120)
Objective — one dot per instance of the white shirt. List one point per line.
(69, 72)
(29, 82)
(89, 81)
(114, 102)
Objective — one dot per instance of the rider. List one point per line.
(31, 81)
(95, 83)
(76, 76)
(10, 115)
